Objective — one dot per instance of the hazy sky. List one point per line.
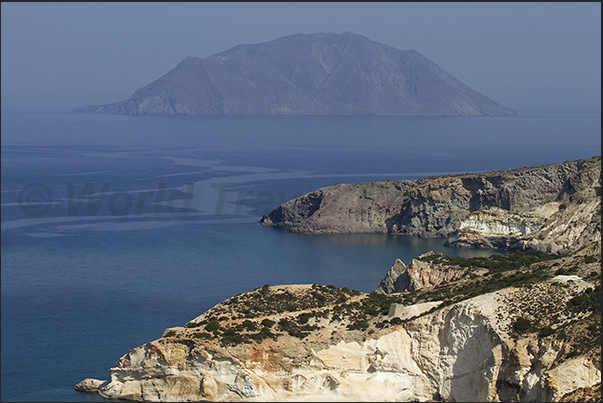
(525, 55)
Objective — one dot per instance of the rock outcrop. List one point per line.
(388, 284)
(554, 208)
(307, 74)
(418, 274)
(344, 208)
(468, 348)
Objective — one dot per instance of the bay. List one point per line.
(116, 227)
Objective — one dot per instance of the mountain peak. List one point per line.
(320, 73)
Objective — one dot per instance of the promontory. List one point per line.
(554, 208)
(524, 326)
(308, 74)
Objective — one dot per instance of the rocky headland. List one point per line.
(554, 208)
(524, 326)
(307, 74)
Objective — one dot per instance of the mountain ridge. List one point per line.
(307, 74)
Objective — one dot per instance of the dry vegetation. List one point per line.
(317, 313)
(592, 394)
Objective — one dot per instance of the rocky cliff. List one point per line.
(519, 327)
(421, 272)
(530, 333)
(307, 74)
(554, 208)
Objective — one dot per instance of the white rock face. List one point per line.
(461, 352)
(549, 228)
(497, 221)
(406, 312)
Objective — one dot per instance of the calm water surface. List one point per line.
(114, 228)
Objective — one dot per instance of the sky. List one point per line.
(528, 56)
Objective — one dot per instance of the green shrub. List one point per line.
(395, 321)
(249, 325)
(359, 324)
(522, 325)
(267, 323)
(320, 299)
(590, 259)
(303, 318)
(494, 262)
(546, 331)
(231, 336)
(263, 334)
(285, 324)
(202, 335)
(213, 325)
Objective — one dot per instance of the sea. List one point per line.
(117, 227)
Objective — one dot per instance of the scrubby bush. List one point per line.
(249, 325)
(493, 263)
(522, 325)
(202, 335)
(267, 323)
(546, 331)
(395, 321)
(359, 324)
(590, 259)
(263, 334)
(303, 318)
(213, 325)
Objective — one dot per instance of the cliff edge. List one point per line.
(519, 327)
(554, 208)
(526, 333)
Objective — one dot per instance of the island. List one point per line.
(308, 74)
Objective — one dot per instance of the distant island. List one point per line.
(308, 74)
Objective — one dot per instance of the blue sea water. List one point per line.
(116, 227)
